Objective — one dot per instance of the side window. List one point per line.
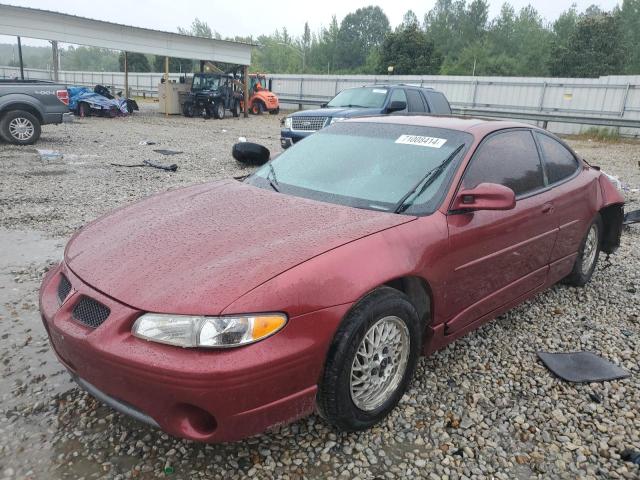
(560, 162)
(397, 94)
(416, 103)
(510, 159)
(438, 103)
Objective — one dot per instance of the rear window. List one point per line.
(438, 103)
(559, 160)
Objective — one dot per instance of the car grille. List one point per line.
(90, 312)
(64, 287)
(308, 123)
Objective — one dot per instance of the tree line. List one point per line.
(455, 37)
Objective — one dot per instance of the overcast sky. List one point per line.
(255, 17)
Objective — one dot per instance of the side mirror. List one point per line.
(486, 196)
(250, 153)
(396, 106)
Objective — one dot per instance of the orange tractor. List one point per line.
(261, 99)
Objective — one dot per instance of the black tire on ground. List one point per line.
(250, 153)
(275, 111)
(218, 111)
(588, 254)
(257, 108)
(335, 400)
(20, 127)
(84, 110)
(187, 109)
(235, 111)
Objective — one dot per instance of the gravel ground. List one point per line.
(483, 407)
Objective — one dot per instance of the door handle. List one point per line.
(547, 208)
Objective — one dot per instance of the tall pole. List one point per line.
(166, 85)
(126, 75)
(245, 90)
(20, 57)
(55, 59)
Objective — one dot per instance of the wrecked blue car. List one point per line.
(85, 101)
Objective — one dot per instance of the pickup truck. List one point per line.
(363, 101)
(25, 105)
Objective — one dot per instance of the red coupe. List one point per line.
(219, 310)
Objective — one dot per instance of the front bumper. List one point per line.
(288, 137)
(205, 395)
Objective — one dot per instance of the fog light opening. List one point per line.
(195, 420)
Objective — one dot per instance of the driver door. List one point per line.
(498, 256)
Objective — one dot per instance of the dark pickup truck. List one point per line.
(25, 105)
(363, 101)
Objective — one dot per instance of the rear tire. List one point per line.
(236, 109)
(588, 254)
(365, 378)
(275, 111)
(188, 110)
(20, 127)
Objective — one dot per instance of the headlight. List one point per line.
(336, 119)
(195, 331)
(288, 122)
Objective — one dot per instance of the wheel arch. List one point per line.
(27, 107)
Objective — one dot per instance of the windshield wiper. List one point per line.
(271, 178)
(428, 179)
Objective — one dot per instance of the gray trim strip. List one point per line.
(117, 405)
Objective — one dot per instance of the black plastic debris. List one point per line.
(167, 152)
(595, 397)
(631, 217)
(172, 167)
(580, 367)
(632, 456)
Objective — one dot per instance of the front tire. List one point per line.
(188, 110)
(218, 111)
(20, 127)
(588, 254)
(236, 109)
(257, 108)
(371, 361)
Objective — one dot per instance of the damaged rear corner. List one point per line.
(612, 218)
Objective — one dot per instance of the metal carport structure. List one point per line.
(62, 27)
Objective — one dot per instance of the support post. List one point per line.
(166, 84)
(55, 59)
(20, 58)
(201, 66)
(245, 89)
(126, 75)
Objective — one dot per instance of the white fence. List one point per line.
(606, 97)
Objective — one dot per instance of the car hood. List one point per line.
(338, 112)
(197, 249)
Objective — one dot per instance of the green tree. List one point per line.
(199, 28)
(628, 17)
(360, 32)
(176, 65)
(410, 51)
(136, 62)
(593, 49)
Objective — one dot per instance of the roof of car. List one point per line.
(464, 124)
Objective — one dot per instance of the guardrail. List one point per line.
(544, 117)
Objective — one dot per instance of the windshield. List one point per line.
(368, 165)
(205, 82)
(365, 97)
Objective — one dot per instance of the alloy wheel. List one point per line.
(21, 129)
(379, 363)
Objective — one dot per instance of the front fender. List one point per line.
(347, 273)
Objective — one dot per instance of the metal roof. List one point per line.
(49, 25)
